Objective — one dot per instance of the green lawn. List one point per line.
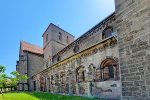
(40, 96)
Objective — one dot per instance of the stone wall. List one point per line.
(133, 31)
(64, 77)
(35, 65)
(88, 39)
(29, 64)
(22, 69)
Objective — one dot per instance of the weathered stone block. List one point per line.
(126, 93)
(139, 83)
(124, 84)
(133, 88)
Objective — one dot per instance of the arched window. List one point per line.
(80, 75)
(107, 32)
(108, 69)
(60, 36)
(67, 39)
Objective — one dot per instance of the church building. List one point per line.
(110, 60)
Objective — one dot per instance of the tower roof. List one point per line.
(56, 27)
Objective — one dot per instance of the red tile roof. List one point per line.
(8, 81)
(32, 48)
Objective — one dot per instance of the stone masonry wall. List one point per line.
(133, 31)
(35, 65)
(88, 39)
(62, 77)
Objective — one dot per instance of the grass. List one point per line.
(41, 96)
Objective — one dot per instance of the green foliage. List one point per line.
(4, 78)
(17, 77)
(15, 73)
(2, 69)
(41, 96)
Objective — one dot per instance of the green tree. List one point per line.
(2, 69)
(15, 78)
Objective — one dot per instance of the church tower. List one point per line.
(54, 40)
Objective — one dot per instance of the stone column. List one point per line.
(69, 82)
(47, 85)
(56, 84)
(38, 85)
(90, 79)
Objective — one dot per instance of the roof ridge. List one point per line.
(32, 48)
(57, 27)
(32, 44)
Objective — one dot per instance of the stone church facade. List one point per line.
(111, 60)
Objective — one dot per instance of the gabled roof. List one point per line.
(32, 48)
(57, 27)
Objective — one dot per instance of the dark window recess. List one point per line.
(60, 36)
(58, 59)
(83, 76)
(53, 60)
(111, 71)
(46, 64)
(76, 49)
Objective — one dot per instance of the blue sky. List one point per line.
(28, 19)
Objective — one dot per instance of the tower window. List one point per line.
(46, 37)
(60, 36)
(67, 39)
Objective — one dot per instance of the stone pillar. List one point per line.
(69, 82)
(38, 85)
(133, 32)
(90, 79)
(47, 84)
(56, 83)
